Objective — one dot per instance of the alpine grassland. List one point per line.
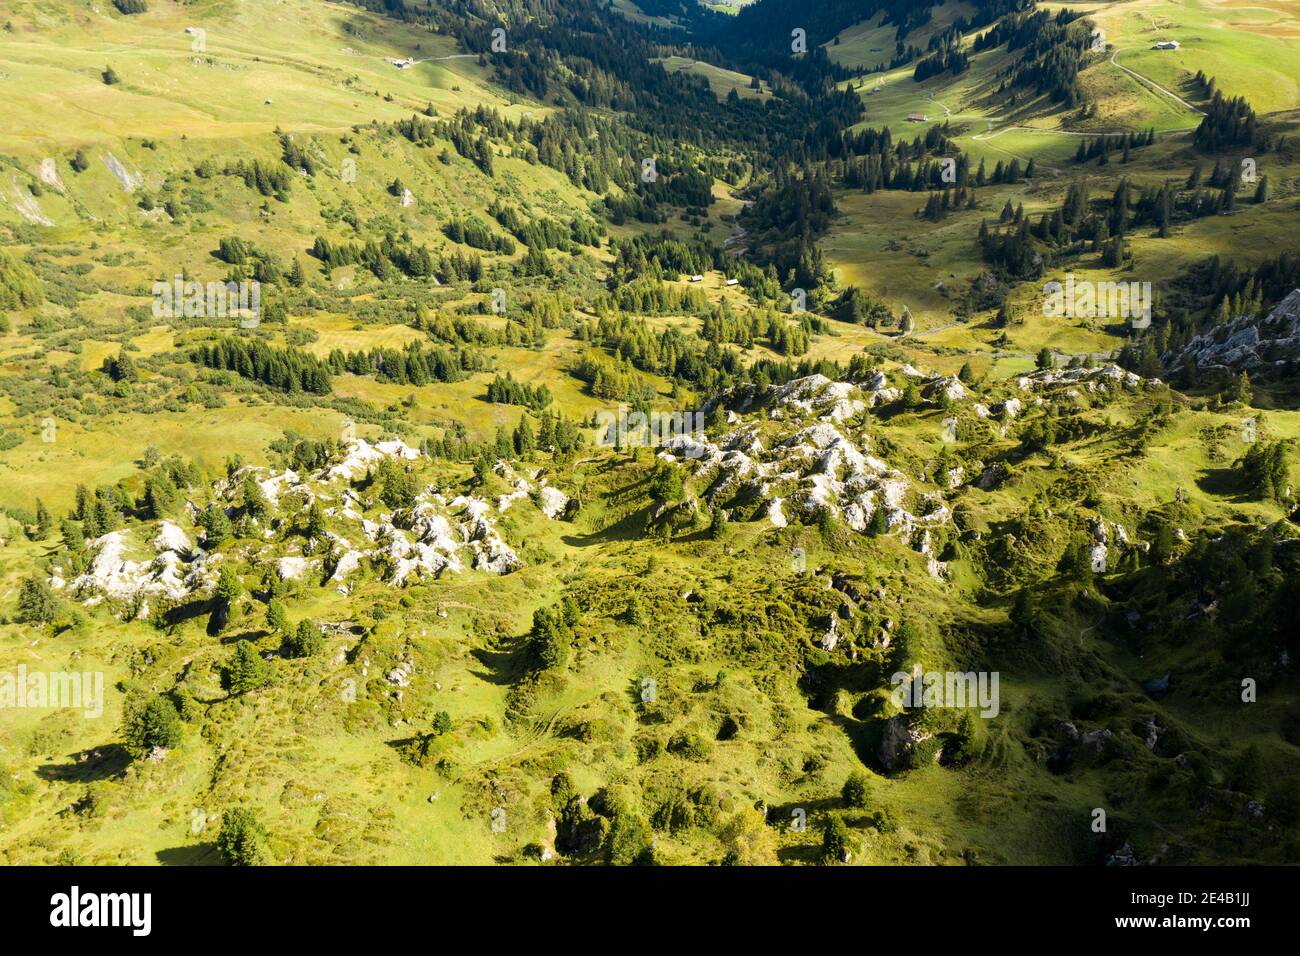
(566, 434)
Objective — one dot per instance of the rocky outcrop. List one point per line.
(1094, 379)
(899, 740)
(430, 538)
(1247, 342)
(173, 573)
(822, 464)
(552, 501)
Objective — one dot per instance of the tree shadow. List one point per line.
(864, 737)
(1222, 483)
(88, 766)
(187, 612)
(200, 854)
(505, 663)
(807, 854)
(629, 528)
(217, 621)
(252, 636)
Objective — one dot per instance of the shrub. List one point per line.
(149, 723)
(749, 840)
(855, 790)
(884, 821)
(242, 840)
(36, 602)
(629, 840)
(837, 841)
(246, 670)
(688, 745)
(305, 641)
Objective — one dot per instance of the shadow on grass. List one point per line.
(1223, 483)
(188, 612)
(629, 528)
(252, 636)
(88, 766)
(200, 854)
(505, 663)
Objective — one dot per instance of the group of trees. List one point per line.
(1264, 470)
(474, 232)
(150, 721)
(555, 434)
(1082, 224)
(949, 59)
(392, 257)
(286, 370)
(37, 603)
(165, 487)
(100, 512)
(859, 307)
(552, 635)
(506, 391)
(670, 353)
(1101, 147)
(1228, 122)
(19, 286)
(269, 179)
(939, 205)
(721, 324)
(120, 368)
(546, 233)
(296, 156)
(414, 364)
(1056, 44)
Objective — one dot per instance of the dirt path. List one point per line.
(738, 232)
(986, 136)
(989, 135)
(946, 112)
(1153, 84)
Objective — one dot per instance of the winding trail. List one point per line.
(1153, 84)
(946, 112)
(1114, 61)
(427, 59)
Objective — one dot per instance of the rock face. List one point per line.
(170, 537)
(430, 538)
(899, 740)
(114, 575)
(823, 463)
(1248, 342)
(1094, 379)
(291, 568)
(553, 502)
(946, 386)
(130, 181)
(362, 456)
